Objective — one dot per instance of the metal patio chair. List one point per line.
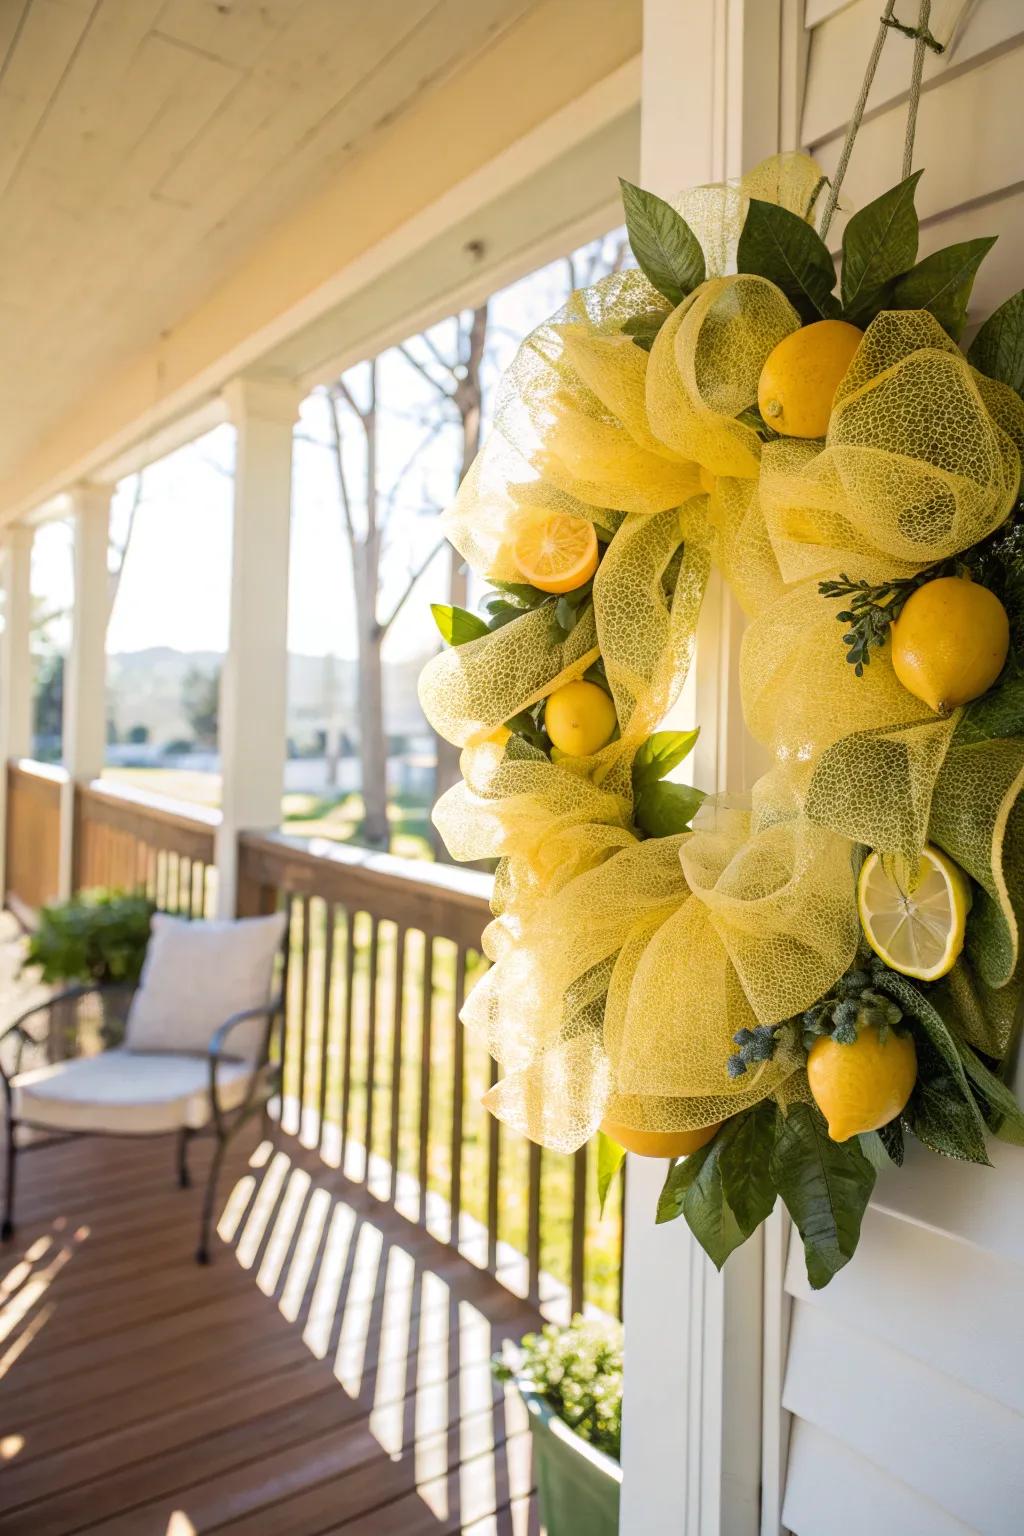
(142, 1088)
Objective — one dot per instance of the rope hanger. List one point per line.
(923, 39)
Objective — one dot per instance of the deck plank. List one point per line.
(328, 1372)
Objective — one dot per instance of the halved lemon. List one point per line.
(919, 932)
(556, 553)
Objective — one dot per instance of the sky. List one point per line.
(173, 589)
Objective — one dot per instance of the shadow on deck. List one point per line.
(328, 1373)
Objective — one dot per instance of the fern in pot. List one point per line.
(571, 1382)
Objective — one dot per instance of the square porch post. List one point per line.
(715, 82)
(253, 689)
(15, 667)
(85, 675)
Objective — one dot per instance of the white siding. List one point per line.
(905, 1377)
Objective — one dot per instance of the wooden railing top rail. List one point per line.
(439, 899)
(190, 829)
(32, 768)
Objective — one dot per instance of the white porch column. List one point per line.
(85, 675)
(253, 689)
(15, 666)
(714, 102)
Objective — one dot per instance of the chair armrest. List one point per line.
(268, 1011)
(25, 1037)
(216, 1054)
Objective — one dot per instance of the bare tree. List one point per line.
(457, 380)
(365, 525)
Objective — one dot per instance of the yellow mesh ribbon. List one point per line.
(623, 967)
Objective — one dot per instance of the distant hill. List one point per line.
(144, 689)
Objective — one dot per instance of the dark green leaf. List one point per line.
(826, 1186)
(942, 283)
(457, 625)
(777, 244)
(522, 593)
(1003, 1112)
(942, 1112)
(663, 809)
(995, 716)
(659, 754)
(891, 1137)
(880, 242)
(666, 249)
(680, 1176)
(610, 1157)
(644, 328)
(998, 348)
(708, 1213)
(744, 1156)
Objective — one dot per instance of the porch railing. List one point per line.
(379, 1071)
(32, 868)
(138, 841)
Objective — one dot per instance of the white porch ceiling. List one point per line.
(147, 146)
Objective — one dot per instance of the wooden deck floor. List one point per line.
(328, 1372)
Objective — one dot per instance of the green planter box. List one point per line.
(577, 1484)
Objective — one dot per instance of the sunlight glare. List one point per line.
(11, 1446)
(317, 1333)
(280, 1238)
(351, 1354)
(388, 1413)
(273, 1182)
(301, 1267)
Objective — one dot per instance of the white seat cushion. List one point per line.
(198, 974)
(121, 1092)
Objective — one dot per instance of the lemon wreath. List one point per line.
(774, 989)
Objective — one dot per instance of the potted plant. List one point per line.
(571, 1382)
(98, 938)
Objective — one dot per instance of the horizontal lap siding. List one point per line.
(905, 1377)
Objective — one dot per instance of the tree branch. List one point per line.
(434, 431)
(385, 625)
(414, 362)
(339, 465)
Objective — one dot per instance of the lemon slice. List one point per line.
(556, 553)
(919, 933)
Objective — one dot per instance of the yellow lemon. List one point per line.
(556, 553)
(919, 933)
(950, 642)
(800, 377)
(861, 1086)
(659, 1143)
(500, 737)
(580, 719)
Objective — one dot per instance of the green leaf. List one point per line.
(998, 348)
(610, 1158)
(663, 809)
(995, 716)
(680, 1176)
(744, 1155)
(880, 242)
(826, 1186)
(659, 754)
(891, 1137)
(522, 593)
(942, 283)
(1004, 1114)
(457, 625)
(666, 249)
(644, 328)
(777, 244)
(708, 1213)
(942, 1112)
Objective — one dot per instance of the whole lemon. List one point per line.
(860, 1086)
(800, 377)
(950, 642)
(580, 719)
(659, 1143)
